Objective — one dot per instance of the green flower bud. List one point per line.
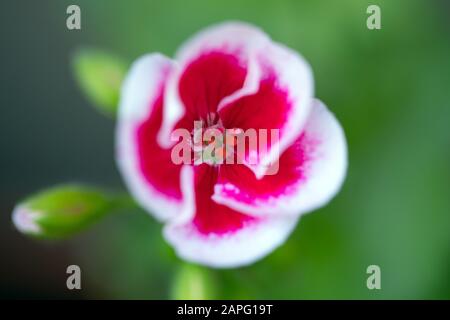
(61, 211)
(100, 77)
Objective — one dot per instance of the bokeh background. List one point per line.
(389, 88)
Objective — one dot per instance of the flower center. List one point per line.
(209, 142)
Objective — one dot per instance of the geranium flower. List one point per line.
(229, 76)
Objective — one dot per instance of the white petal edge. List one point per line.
(295, 76)
(236, 35)
(24, 219)
(240, 248)
(325, 176)
(141, 87)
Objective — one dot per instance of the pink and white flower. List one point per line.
(232, 74)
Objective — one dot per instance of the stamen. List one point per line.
(210, 149)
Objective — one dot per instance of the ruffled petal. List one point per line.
(309, 173)
(282, 102)
(214, 68)
(218, 236)
(235, 70)
(147, 168)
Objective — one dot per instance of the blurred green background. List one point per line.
(389, 88)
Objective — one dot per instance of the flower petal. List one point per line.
(207, 80)
(147, 168)
(283, 101)
(215, 67)
(275, 93)
(310, 173)
(215, 235)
